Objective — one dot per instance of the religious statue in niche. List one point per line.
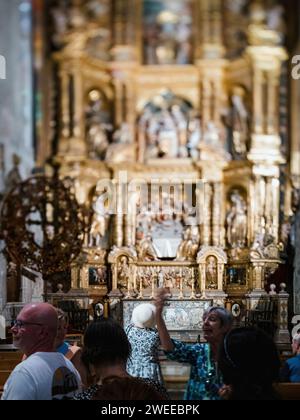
(99, 223)
(238, 124)
(169, 128)
(124, 273)
(97, 125)
(160, 280)
(237, 220)
(211, 272)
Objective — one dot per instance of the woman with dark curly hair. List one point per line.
(106, 352)
(250, 365)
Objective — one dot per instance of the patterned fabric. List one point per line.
(89, 393)
(144, 362)
(205, 381)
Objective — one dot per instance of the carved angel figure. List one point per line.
(124, 272)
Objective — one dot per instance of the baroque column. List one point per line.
(126, 55)
(265, 57)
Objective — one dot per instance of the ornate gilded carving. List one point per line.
(214, 119)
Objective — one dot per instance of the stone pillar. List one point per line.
(257, 288)
(282, 336)
(258, 278)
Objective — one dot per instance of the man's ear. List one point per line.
(44, 332)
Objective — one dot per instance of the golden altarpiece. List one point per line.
(173, 143)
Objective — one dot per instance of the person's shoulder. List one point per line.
(294, 361)
(51, 358)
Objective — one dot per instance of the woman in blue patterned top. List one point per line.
(205, 381)
(145, 343)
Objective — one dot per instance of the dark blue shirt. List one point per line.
(291, 370)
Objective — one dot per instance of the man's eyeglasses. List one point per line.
(19, 324)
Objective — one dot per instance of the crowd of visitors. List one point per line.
(117, 364)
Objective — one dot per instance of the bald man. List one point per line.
(45, 374)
